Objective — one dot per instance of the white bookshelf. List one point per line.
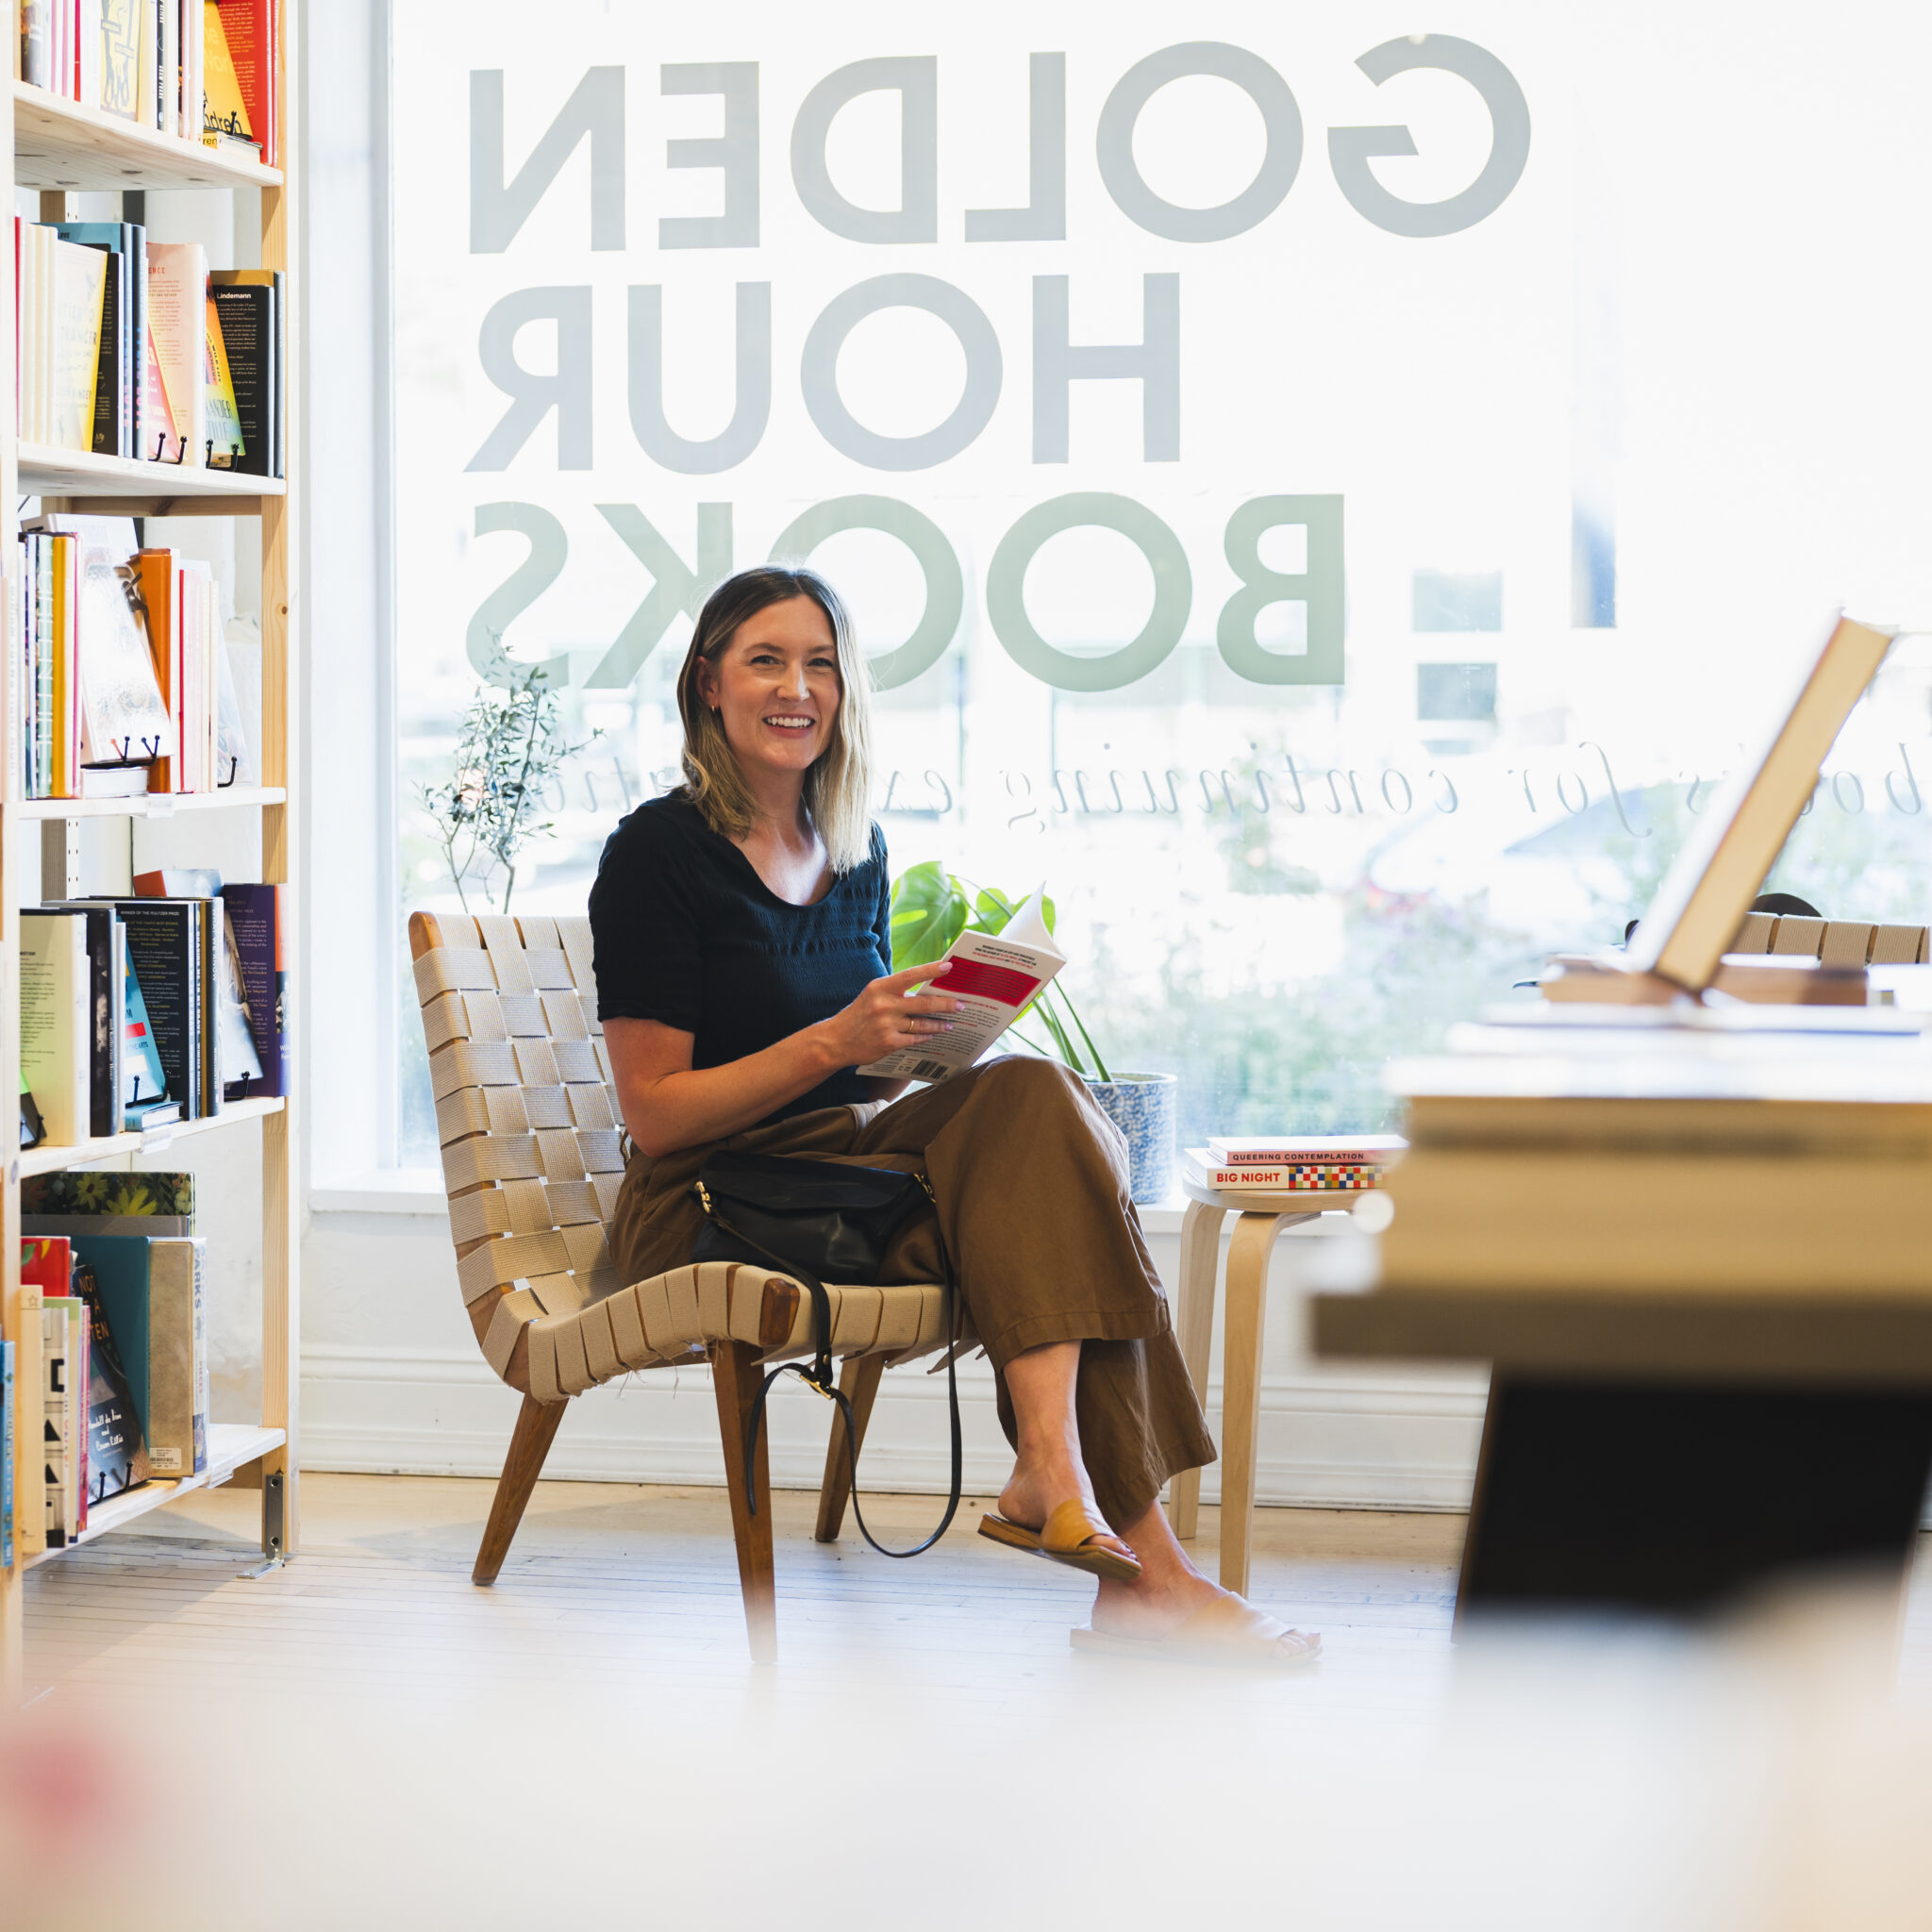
(59, 148)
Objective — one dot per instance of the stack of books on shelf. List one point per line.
(120, 681)
(120, 1275)
(1295, 1164)
(132, 348)
(198, 70)
(137, 1012)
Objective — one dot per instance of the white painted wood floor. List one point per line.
(365, 1738)
(614, 1584)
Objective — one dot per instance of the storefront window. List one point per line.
(1327, 504)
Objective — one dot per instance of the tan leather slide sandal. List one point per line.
(1071, 1535)
(1228, 1632)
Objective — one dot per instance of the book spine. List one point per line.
(137, 355)
(102, 1017)
(56, 1411)
(36, 43)
(16, 630)
(7, 1426)
(1298, 1157)
(117, 1054)
(1296, 1180)
(80, 1344)
(107, 432)
(198, 1248)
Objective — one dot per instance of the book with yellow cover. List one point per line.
(225, 111)
(227, 447)
(80, 288)
(66, 773)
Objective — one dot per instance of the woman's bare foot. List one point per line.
(1167, 1593)
(1036, 1488)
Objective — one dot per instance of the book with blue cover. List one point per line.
(152, 1294)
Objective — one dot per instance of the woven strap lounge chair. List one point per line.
(532, 1158)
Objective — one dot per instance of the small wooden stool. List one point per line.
(1263, 1215)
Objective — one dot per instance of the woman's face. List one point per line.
(776, 687)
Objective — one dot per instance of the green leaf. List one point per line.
(928, 913)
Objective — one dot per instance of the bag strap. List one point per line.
(819, 1377)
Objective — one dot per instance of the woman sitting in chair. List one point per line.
(745, 972)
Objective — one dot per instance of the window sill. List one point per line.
(419, 1190)
(386, 1190)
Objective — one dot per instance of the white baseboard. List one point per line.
(1342, 1440)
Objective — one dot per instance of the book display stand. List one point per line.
(61, 149)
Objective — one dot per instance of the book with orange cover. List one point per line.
(154, 576)
(250, 29)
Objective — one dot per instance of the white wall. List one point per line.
(394, 1381)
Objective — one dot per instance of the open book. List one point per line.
(994, 975)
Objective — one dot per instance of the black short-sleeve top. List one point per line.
(685, 932)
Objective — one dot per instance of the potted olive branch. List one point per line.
(930, 909)
(511, 746)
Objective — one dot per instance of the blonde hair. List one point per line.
(838, 786)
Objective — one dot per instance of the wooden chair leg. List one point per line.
(535, 1430)
(736, 1376)
(860, 1381)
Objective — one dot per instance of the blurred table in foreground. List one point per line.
(1706, 1308)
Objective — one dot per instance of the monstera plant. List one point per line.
(931, 908)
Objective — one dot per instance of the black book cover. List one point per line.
(108, 383)
(106, 999)
(116, 1458)
(273, 324)
(164, 950)
(246, 314)
(207, 937)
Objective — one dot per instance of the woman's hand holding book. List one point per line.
(888, 1015)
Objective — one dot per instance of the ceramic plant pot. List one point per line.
(1142, 1106)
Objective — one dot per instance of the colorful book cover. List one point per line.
(225, 111)
(121, 57)
(249, 31)
(144, 1085)
(227, 447)
(246, 302)
(74, 1191)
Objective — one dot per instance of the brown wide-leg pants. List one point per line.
(1031, 1186)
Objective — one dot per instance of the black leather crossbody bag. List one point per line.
(814, 1219)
